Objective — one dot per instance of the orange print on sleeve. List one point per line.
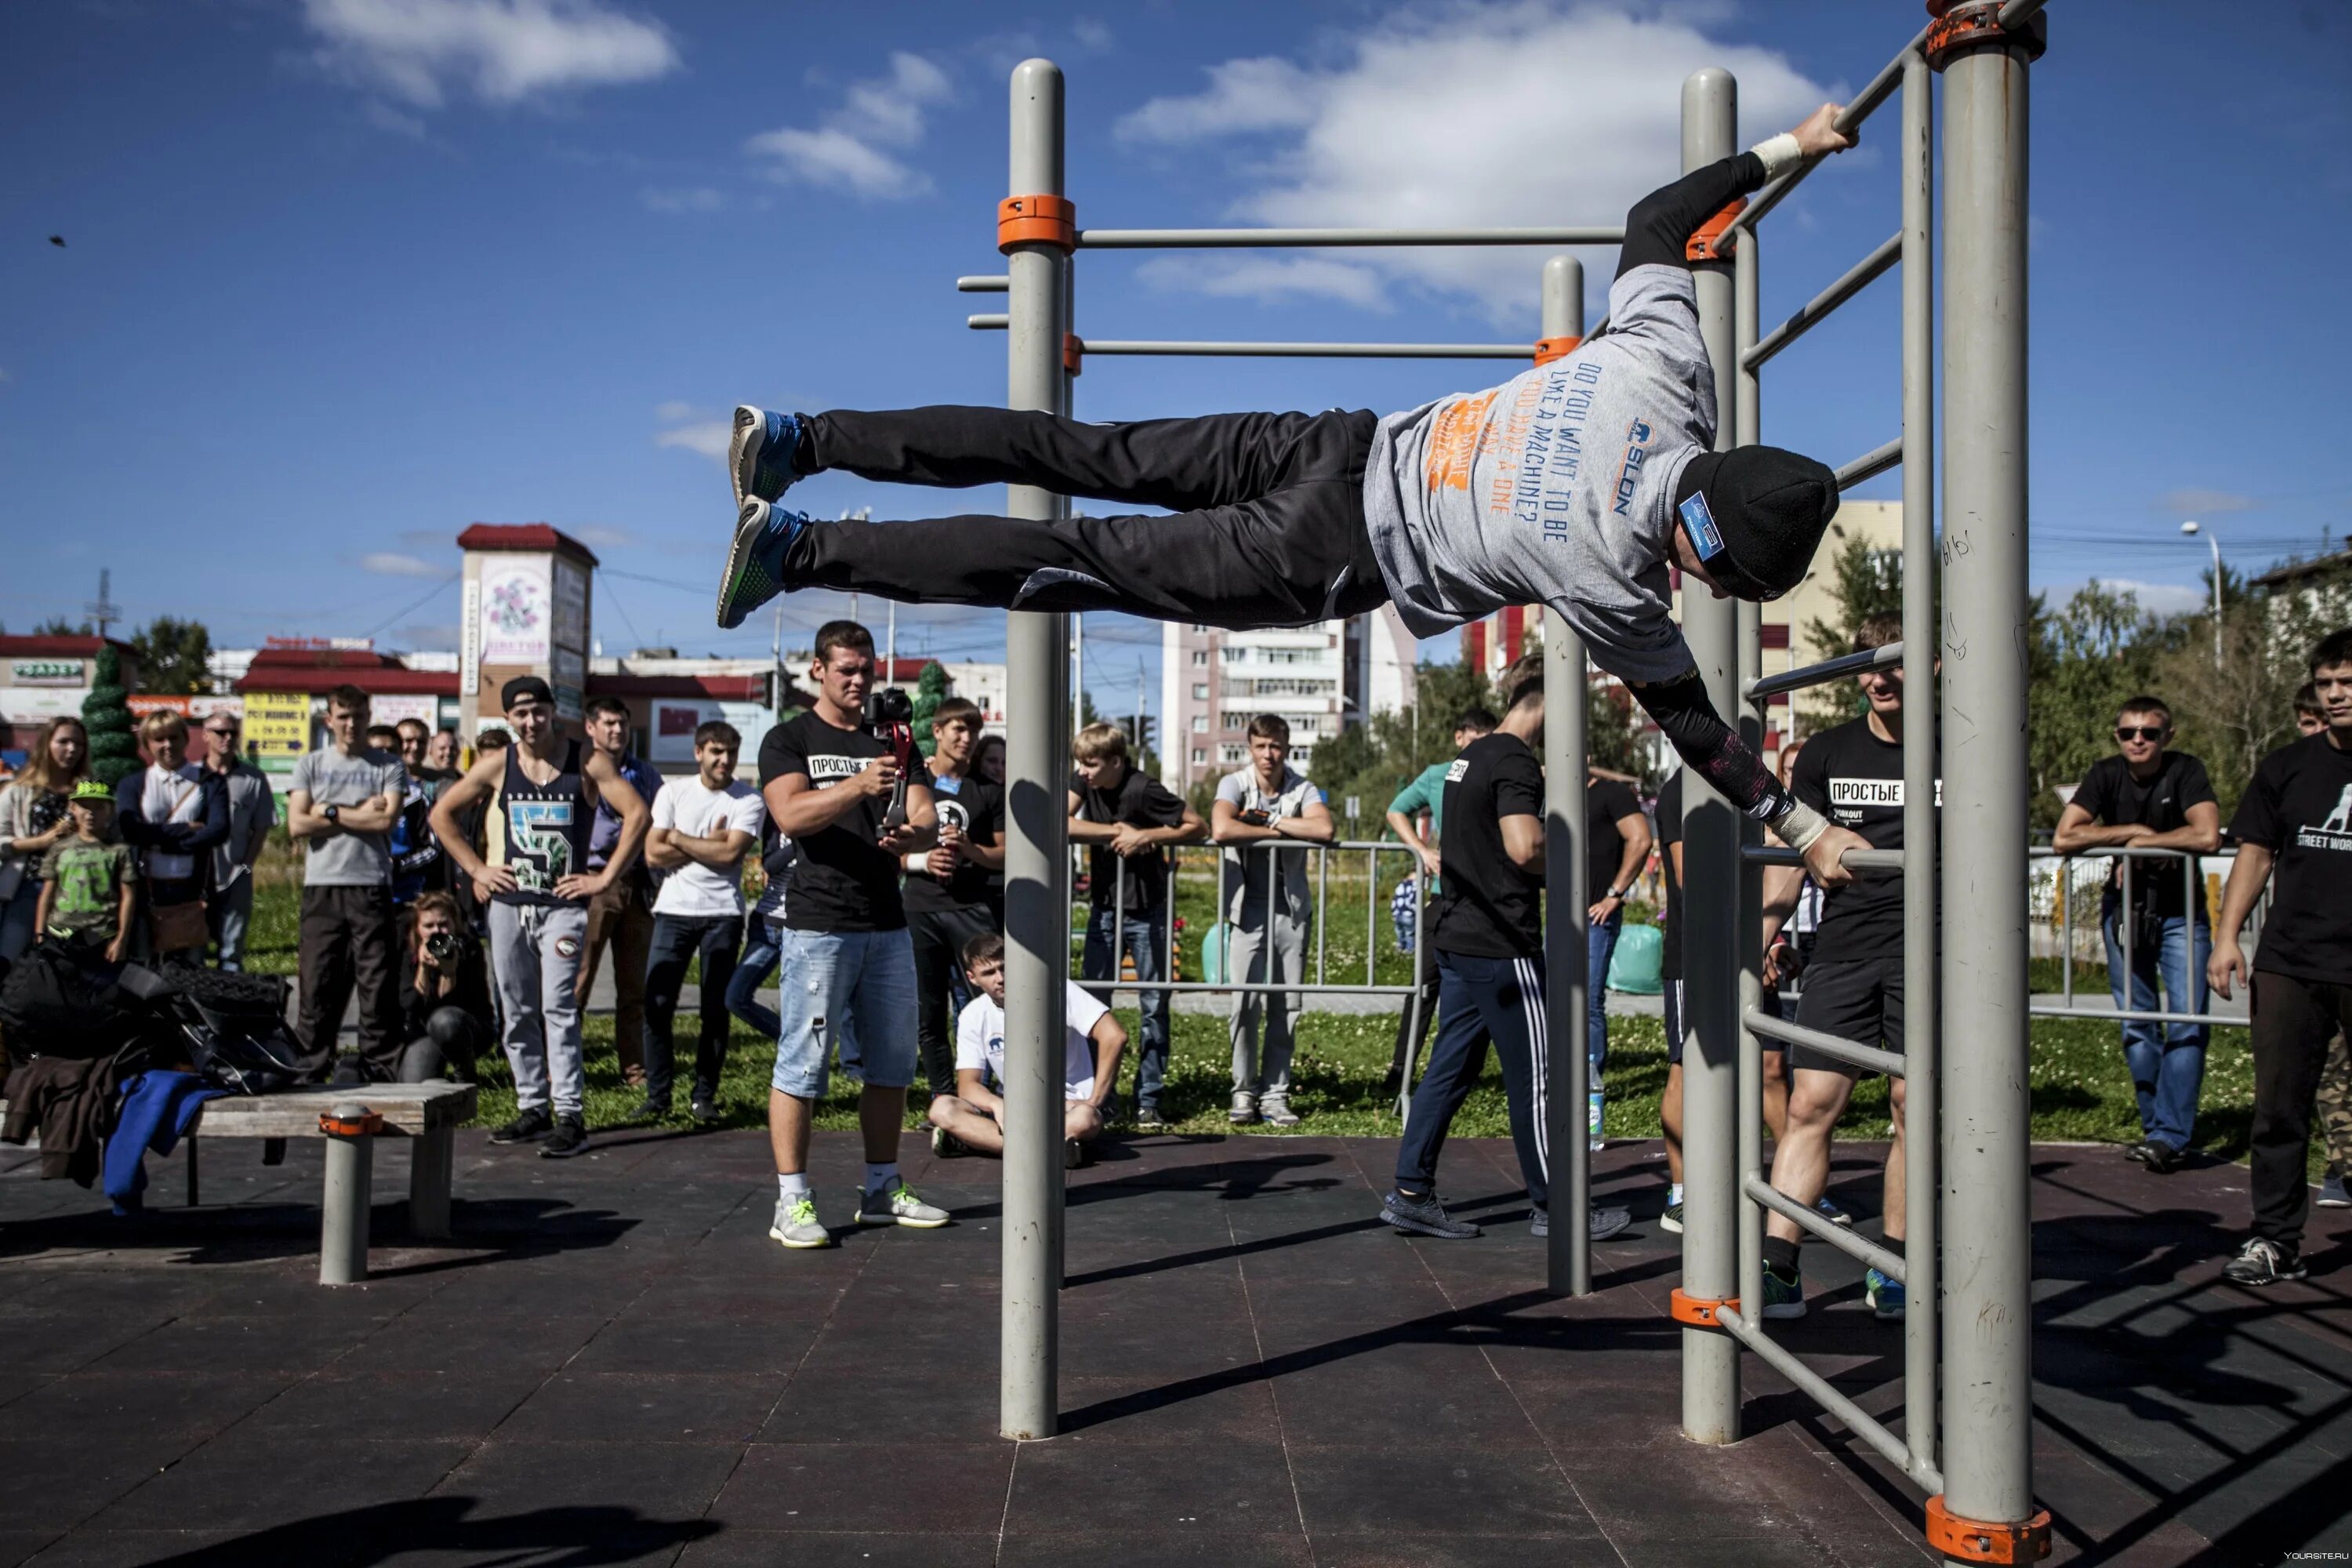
(1454, 442)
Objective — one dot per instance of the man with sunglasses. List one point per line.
(1581, 484)
(252, 812)
(2147, 797)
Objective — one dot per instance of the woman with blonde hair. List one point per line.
(33, 821)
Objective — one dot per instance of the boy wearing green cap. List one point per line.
(86, 884)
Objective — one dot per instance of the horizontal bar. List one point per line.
(1853, 859)
(2129, 852)
(1858, 277)
(1789, 1365)
(1881, 87)
(2097, 1015)
(1324, 238)
(1254, 988)
(1805, 1218)
(1829, 669)
(1310, 351)
(989, 324)
(1852, 1052)
(982, 283)
(1870, 465)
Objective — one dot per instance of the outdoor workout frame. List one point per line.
(1983, 1509)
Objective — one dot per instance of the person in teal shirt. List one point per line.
(1426, 794)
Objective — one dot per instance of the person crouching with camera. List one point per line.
(445, 1016)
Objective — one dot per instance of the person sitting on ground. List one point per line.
(87, 894)
(2295, 819)
(447, 1020)
(972, 1118)
(1487, 933)
(1577, 484)
(1267, 911)
(1425, 797)
(2148, 796)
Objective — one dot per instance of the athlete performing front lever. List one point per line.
(1574, 485)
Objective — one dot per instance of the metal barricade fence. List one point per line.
(2114, 886)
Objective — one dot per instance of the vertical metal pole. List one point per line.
(1747, 422)
(1568, 1259)
(1987, 1353)
(1920, 1020)
(1036, 859)
(1711, 866)
(344, 1203)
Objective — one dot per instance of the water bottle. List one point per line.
(1593, 1119)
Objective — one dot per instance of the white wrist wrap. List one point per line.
(1780, 153)
(918, 863)
(1800, 826)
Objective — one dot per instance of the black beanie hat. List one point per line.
(1755, 515)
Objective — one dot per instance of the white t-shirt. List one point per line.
(695, 889)
(980, 1042)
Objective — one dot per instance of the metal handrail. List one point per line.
(1216, 350)
(1853, 859)
(1860, 1249)
(1870, 1430)
(983, 283)
(2193, 901)
(1880, 88)
(1339, 239)
(1817, 310)
(1870, 465)
(1829, 669)
(1870, 1058)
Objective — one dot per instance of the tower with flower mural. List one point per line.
(524, 611)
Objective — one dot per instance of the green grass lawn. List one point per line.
(2080, 1090)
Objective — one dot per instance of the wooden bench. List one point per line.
(428, 1113)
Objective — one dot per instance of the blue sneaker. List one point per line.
(760, 455)
(764, 534)
(1885, 1296)
(1784, 1295)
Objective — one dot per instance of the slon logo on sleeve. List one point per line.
(1629, 477)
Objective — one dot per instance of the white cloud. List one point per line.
(392, 563)
(682, 199)
(2190, 502)
(673, 411)
(856, 147)
(501, 51)
(2157, 598)
(1093, 35)
(598, 536)
(707, 437)
(1269, 279)
(431, 638)
(1455, 115)
(384, 117)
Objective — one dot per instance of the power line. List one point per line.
(619, 610)
(420, 603)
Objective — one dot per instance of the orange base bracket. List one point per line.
(1699, 1310)
(1550, 349)
(1974, 1541)
(367, 1124)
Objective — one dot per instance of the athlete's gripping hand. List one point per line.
(1819, 136)
(1825, 855)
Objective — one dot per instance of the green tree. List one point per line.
(59, 626)
(174, 655)
(113, 750)
(931, 690)
(1866, 582)
(2082, 664)
(2236, 708)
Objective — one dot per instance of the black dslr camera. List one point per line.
(890, 719)
(447, 948)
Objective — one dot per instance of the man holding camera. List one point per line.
(855, 805)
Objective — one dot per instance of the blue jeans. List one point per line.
(1600, 946)
(2167, 1060)
(835, 979)
(762, 948)
(229, 910)
(1144, 934)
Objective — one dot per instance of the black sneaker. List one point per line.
(528, 1127)
(645, 1112)
(2262, 1261)
(1076, 1155)
(570, 1138)
(1605, 1223)
(1149, 1120)
(2137, 1151)
(2163, 1159)
(946, 1145)
(350, 1073)
(1424, 1215)
(704, 1111)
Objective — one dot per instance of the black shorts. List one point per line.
(1857, 999)
(1678, 1021)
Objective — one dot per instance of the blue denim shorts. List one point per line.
(829, 980)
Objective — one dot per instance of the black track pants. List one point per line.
(2294, 1020)
(1269, 532)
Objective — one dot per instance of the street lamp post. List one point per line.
(2214, 539)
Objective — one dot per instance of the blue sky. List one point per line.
(343, 275)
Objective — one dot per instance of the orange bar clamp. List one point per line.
(1037, 220)
(1698, 1310)
(1973, 1540)
(1550, 349)
(1700, 247)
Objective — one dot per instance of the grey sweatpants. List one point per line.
(1268, 953)
(535, 951)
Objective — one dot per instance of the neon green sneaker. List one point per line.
(796, 1223)
(897, 1204)
(764, 534)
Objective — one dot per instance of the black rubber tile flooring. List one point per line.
(613, 1365)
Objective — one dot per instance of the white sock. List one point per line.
(792, 1185)
(881, 1177)
(1673, 1194)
